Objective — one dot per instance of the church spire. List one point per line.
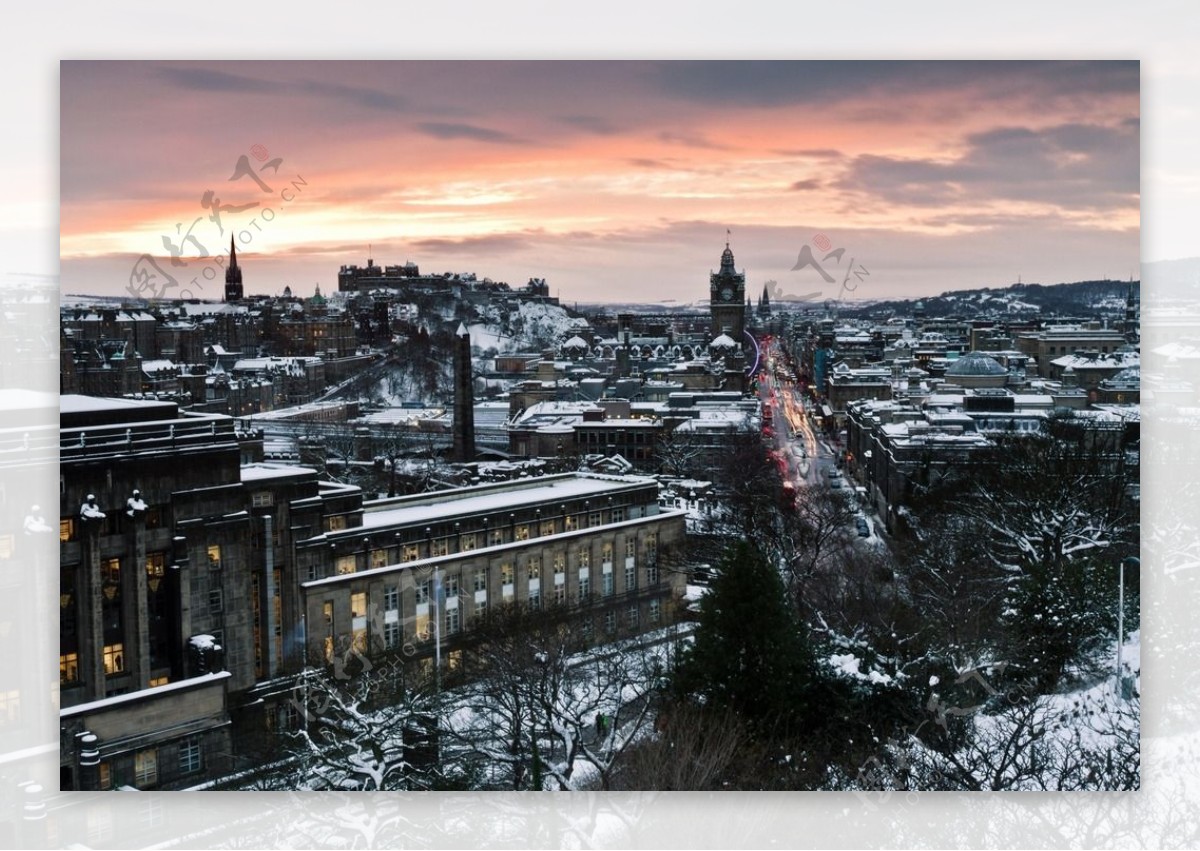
(233, 275)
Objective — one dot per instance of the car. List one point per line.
(836, 484)
(864, 528)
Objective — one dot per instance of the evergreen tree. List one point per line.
(751, 654)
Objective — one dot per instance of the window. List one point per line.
(156, 566)
(159, 681)
(610, 622)
(391, 599)
(521, 533)
(10, 706)
(66, 529)
(606, 552)
(189, 756)
(379, 558)
(336, 524)
(630, 577)
(560, 594)
(68, 668)
(346, 564)
(655, 612)
(535, 597)
(216, 602)
(495, 537)
(110, 571)
(145, 768)
(652, 572)
(358, 604)
(506, 574)
(105, 776)
(585, 587)
(547, 528)
(411, 552)
(423, 628)
(262, 499)
(594, 519)
(391, 634)
(468, 542)
(618, 515)
(452, 621)
(631, 547)
(585, 557)
(114, 658)
(214, 556)
(607, 584)
(439, 547)
(423, 591)
(481, 580)
(327, 610)
(631, 617)
(570, 523)
(534, 569)
(480, 610)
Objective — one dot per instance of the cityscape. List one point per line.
(815, 527)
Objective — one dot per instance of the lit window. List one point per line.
(329, 648)
(110, 571)
(506, 574)
(468, 543)
(495, 537)
(68, 668)
(440, 547)
(547, 528)
(535, 569)
(379, 558)
(412, 552)
(262, 499)
(159, 681)
(336, 523)
(105, 776)
(156, 565)
(358, 605)
(570, 523)
(606, 553)
(66, 529)
(346, 564)
(114, 658)
(521, 533)
(145, 768)
(327, 610)
(585, 557)
(189, 756)
(423, 630)
(214, 556)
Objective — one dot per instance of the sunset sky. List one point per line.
(614, 181)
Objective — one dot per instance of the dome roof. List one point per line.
(975, 363)
(575, 342)
(723, 342)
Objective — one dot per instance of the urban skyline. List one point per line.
(609, 180)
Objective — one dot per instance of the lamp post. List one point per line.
(1132, 562)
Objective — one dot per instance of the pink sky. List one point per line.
(614, 181)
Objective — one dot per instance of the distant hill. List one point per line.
(1016, 300)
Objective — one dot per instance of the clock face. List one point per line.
(726, 294)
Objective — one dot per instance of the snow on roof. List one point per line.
(260, 471)
(723, 342)
(488, 499)
(76, 404)
(143, 694)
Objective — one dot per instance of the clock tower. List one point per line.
(727, 299)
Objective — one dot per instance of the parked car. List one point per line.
(864, 528)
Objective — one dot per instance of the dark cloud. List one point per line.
(805, 185)
(792, 83)
(809, 153)
(1071, 165)
(490, 245)
(645, 162)
(591, 123)
(455, 130)
(210, 80)
(691, 140)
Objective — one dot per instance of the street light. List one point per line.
(1132, 561)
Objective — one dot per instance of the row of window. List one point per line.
(377, 558)
(146, 765)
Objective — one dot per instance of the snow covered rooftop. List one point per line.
(260, 471)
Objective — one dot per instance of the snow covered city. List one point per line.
(600, 426)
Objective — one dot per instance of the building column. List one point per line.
(91, 614)
(137, 607)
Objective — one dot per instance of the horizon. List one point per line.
(607, 179)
